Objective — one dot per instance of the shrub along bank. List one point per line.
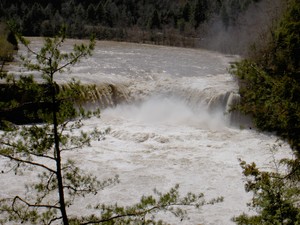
(270, 91)
(270, 79)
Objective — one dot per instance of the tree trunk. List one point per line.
(58, 160)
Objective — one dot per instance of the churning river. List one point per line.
(168, 113)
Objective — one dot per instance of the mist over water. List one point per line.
(252, 26)
(168, 113)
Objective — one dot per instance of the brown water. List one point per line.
(171, 126)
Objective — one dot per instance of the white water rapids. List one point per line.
(171, 126)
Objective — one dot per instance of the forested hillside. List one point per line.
(270, 83)
(163, 22)
(270, 91)
(269, 78)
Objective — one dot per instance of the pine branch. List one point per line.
(5, 110)
(16, 198)
(42, 156)
(121, 216)
(135, 214)
(28, 162)
(26, 44)
(45, 188)
(31, 153)
(148, 205)
(70, 62)
(75, 147)
(54, 219)
(76, 190)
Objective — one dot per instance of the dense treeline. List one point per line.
(270, 79)
(136, 20)
(270, 90)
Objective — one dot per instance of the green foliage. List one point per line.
(275, 195)
(270, 91)
(28, 145)
(285, 57)
(43, 18)
(144, 211)
(272, 101)
(280, 55)
(270, 84)
(43, 148)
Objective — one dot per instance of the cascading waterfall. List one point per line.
(111, 95)
(101, 95)
(168, 110)
(108, 95)
(226, 103)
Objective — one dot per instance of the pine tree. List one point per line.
(186, 13)
(270, 94)
(91, 14)
(200, 12)
(155, 21)
(44, 146)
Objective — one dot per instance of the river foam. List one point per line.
(173, 125)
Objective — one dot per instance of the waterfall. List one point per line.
(101, 95)
(225, 104)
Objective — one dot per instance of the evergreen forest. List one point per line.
(180, 22)
(269, 83)
(270, 91)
